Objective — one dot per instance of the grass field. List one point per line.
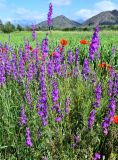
(50, 97)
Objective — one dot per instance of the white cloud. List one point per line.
(23, 13)
(86, 13)
(105, 5)
(61, 2)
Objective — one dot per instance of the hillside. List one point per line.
(60, 22)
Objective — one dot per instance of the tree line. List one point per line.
(8, 27)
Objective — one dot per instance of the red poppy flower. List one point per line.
(83, 41)
(64, 42)
(115, 119)
(61, 49)
(3, 50)
(109, 68)
(102, 65)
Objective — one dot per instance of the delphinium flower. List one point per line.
(42, 101)
(70, 57)
(14, 66)
(8, 66)
(112, 108)
(111, 83)
(2, 69)
(97, 156)
(23, 119)
(75, 72)
(30, 72)
(44, 48)
(94, 79)
(28, 138)
(94, 45)
(50, 16)
(67, 104)
(115, 85)
(27, 52)
(33, 32)
(57, 62)
(76, 140)
(85, 70)
(55, 100)
(50, 68)
(77, 57)
(21, 68)
(91, 118)
(28, 96)
(64, 70)
(98, 92)
(109, 118)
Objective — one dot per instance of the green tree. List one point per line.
(19, 27)
(8, 28)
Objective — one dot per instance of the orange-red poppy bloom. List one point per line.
(115, 119)
(109, 68)
(3, 50)
(105, 66)
(83, 41)
(53, 53)
(64, 42)
(102, 65)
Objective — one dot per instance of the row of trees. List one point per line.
(8, 27)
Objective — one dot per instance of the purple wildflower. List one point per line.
(28, 138)
(97, 156)
(23, 119)
(33, 32)
(70, 57)
(50, 16)
(50, 68)
(2, 74)
(98, 93)
(28, 96)
(14, 66)
(85, 70)
(91, 118)
(67, 104)
(30, 72)
(109, 118)
(94, 44)
(21, 68)
(77, 57)
(44, 48)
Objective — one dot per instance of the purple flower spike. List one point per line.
(50, 15)
(23, 119)
(94, 44)
(97, 156)
(58, 119)
(28, 138)
(91, 118)
(85, 70)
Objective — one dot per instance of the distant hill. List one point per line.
(60, 22)
(103, 18)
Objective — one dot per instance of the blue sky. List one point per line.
(36, 10)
